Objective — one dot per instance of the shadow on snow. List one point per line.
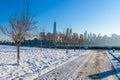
(104, 74)
(14, 64)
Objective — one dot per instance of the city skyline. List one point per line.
(96, 16)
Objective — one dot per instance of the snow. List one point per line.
(116, 53)
(33, 61)
(115, 63)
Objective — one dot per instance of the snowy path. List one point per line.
(90, 65)
(97, 67)
(115, 61)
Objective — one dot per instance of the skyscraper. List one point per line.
(54, 28)
(67, 31)
(70, 32)
(85, 35)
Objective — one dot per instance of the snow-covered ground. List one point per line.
(33, 61)
(116, 53)
(115, 62)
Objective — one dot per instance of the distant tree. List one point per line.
(59, 37)
(75, 39)
(20, 27)
(62, 37)
(49, 37)
(40, 36)
(66, 40)
(56, 40)
(80, 40)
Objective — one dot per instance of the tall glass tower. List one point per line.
(54, 28)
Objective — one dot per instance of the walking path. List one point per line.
(89, 66)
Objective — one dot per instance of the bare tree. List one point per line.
(65, 39)
(49, 37)
(20, 27)
(80, 40)
(75, 39)
(56, 40)
(60, 38)
(40, 36)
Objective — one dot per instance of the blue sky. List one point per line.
(96, 16)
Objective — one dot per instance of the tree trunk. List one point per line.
(55, 45)
(79, 46)
(66, 48)
(49, 44)
(74, 46)
(18, 53)
(41, 45)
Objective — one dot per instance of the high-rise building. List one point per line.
(54, 28)
(85, 35)
(70, 32)
(67, 31)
